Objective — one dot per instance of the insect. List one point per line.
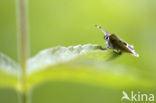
(115, 43)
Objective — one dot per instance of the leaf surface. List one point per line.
(9, 72)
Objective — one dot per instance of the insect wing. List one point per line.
(121, 45)
(132, 50)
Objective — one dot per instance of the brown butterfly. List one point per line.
(115, 43)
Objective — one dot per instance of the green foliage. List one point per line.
(9, 71)
(87, 64)
(71, 22)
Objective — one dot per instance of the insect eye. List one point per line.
(105, 37)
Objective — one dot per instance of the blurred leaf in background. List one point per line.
(71, 22)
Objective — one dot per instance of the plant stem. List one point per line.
(22, 25)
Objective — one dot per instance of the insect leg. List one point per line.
(119, 52)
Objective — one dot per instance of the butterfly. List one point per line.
(115, 43)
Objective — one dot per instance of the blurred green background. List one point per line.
(71, 22)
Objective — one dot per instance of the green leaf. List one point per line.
(9, 71)
(90, 64)
(57, 55)
(84, 64)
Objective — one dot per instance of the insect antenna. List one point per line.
(105, 33)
